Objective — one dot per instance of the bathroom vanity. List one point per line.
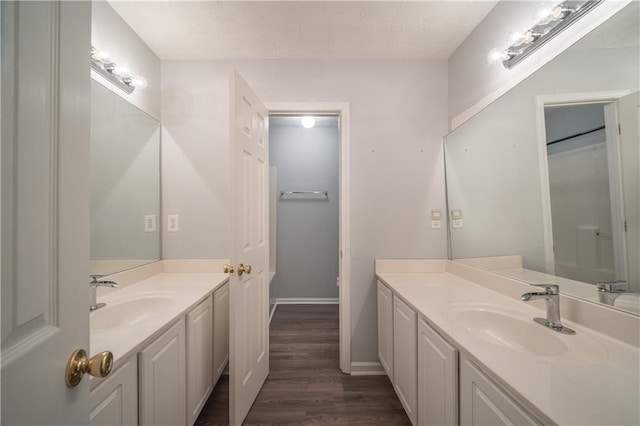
(169, 335)
(460, 352)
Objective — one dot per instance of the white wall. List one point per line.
(398, 117)
(307, 250)
(109, 32)
(474, 83)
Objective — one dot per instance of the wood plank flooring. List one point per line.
(305, 385)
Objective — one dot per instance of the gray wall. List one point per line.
(398, 118)
(307, 227)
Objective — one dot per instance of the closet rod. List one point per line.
(575, 136)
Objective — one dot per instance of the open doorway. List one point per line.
(582, 183)
(313, 193)
(304, 209)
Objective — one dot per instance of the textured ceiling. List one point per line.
(303, 29)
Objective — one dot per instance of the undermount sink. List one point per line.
(510, 332)
(129, 312)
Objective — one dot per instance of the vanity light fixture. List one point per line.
(548, 22)
(103, 64)
(308, 122)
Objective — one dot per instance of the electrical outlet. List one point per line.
(436, 224)
(150, 223)
(456, 223)
(173, 225)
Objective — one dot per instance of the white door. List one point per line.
(45, 209)
(248, 291)
(629, 116)
(614, 166)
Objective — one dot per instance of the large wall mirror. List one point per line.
(125, 184)
(543, 184)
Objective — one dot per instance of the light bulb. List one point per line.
(560, 12)
(104, 56)
(121, 71)
(516, 38)
(308, 122)
(531, 36)
(543, 14)
(495, 56)
(139, 82)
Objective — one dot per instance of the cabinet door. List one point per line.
(405, 357)
(115, 400)
(385, 329)
(199, 358)
(162, 379)
(220, 331)
(437, 378)
(483, 403)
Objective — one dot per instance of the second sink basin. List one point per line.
(510, 332)
(129, 312)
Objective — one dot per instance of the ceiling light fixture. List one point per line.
(550, 20)
(103, 64)
(308, 122)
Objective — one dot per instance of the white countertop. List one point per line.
(183, 290)
(597, 381)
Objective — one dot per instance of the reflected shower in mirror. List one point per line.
(545, 179)
(125, 184)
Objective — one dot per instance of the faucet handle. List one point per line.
(551, 289)
(618, 286)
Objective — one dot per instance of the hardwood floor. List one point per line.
(305, 385)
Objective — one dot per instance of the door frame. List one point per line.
(564, 99)
(342, 110)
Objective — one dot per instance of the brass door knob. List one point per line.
(228, 269)
(242, 269)
(99, 365)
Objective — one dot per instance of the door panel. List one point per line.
(248, 293)
(45, 208)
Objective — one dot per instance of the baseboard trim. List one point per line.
(307, 301)
(367, 369)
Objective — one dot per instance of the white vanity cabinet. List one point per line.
(482, 402)
(220, 331)
(437, 378)
(199, 324)
(405, 357)
(163, 378)
(385, 329)
(114, 401)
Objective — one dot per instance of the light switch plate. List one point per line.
(173, 224)
(456, 214)
(436, 215)
(150, 223)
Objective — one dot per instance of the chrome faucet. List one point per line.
(94, 284)
(608, 291)
(551, 296)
